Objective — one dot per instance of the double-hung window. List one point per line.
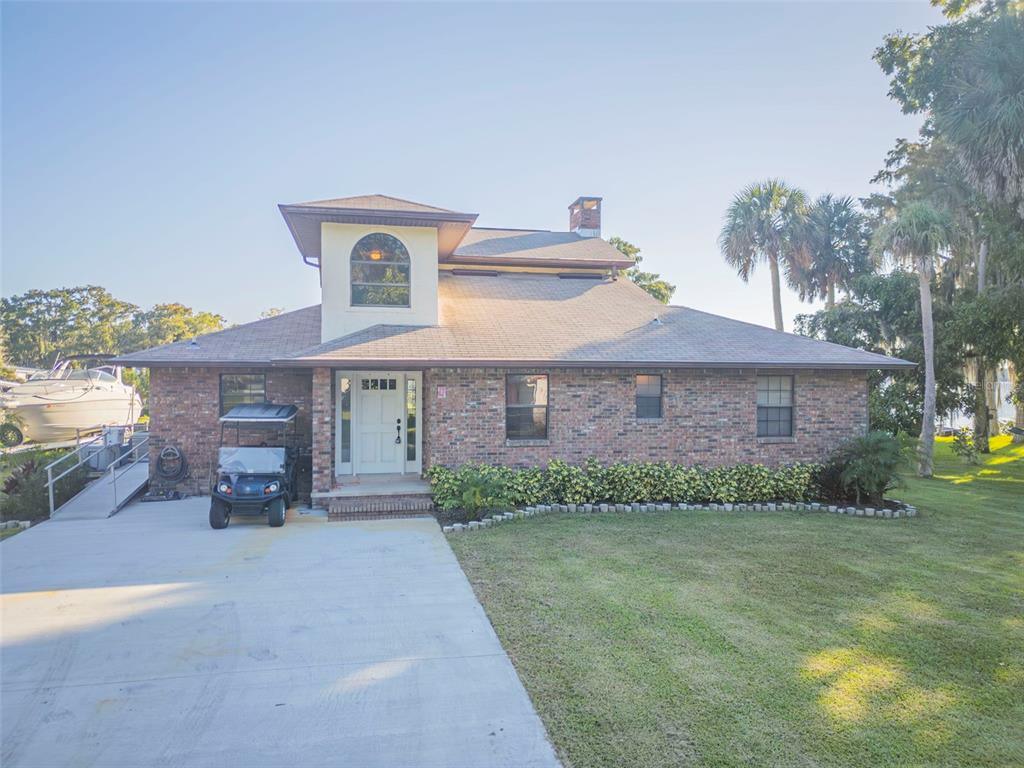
(241, 389)
(774, 406)
(648, 396)
(526, 406)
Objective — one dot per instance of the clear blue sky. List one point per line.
(145, 147)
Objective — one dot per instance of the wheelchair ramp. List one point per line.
(105, 495)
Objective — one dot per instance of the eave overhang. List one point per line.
(512, 261)
(304, 223)
(417, 363)
(384, 363)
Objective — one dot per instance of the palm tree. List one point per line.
(761, 225)
(835, 243)
(979, 107)
(913, 238)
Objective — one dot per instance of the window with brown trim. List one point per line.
(241, 389)
(526, 406)
(380, 272)
(648, 396)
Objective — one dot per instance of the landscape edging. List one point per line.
(902, 510)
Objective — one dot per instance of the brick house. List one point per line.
(440, 343)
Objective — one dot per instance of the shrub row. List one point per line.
(475, 487)
(23, 493)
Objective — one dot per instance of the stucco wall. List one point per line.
(708, 417)
(339, 318)
(184, 410)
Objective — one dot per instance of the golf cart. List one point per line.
(255, 479)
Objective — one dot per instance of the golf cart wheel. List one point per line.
(275, 515)
(10, 436)
(220, 514)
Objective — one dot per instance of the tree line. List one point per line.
(37, 326)
(932, 268)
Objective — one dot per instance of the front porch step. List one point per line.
(379, 507)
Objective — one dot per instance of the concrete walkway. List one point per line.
(104, 496)
(148, 639)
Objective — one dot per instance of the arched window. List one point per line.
(380, 272)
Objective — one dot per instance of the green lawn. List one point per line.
(780, 639)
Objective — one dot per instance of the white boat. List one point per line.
(64, 403)
(21, 374)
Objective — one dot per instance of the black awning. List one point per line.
(260, 413)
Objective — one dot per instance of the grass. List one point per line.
(715, 639)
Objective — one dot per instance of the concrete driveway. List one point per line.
(151, 640)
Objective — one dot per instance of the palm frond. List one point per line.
(759, 225)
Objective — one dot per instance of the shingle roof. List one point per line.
(373, 203)
(523, 318)
(517, 319)
(535, 245)
(252, 343)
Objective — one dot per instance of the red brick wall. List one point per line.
(708, 417)
(323, 420)
(184, 408)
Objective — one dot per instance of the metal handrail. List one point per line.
(113, 465)
(51, 480)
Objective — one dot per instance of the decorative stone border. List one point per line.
(902, 510)
(23, 524)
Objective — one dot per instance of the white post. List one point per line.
(49, 487)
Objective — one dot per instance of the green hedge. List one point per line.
(591, 483)
(23, 494)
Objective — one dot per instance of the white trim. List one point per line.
(341, 469)
(416, 467)
(347, 469)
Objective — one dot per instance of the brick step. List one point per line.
(380, 507)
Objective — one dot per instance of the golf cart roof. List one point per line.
(260, 413)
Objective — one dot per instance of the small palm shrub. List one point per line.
(23, 493)
(828, 484)
(476, 488)
(868, 466)
(964, 447)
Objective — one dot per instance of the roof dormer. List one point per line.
(377, 257)
(304, 220)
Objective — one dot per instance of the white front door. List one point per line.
(379, 423)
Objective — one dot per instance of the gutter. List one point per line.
(421, 363)
(371, 364)
(500, 261)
